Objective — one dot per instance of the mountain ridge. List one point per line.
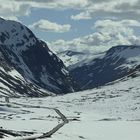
(119, 61)
(31, 58)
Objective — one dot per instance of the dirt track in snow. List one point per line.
(34, 136)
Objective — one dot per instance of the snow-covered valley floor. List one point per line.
(108, 113)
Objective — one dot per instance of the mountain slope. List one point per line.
(35, 67)
(73, 59)
(118, 62)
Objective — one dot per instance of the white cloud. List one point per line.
(108, 33)
(111, 23)
(110, 9)
(88, 8)
(82, 15)
(51, 26)
(12, 8)
(63, 4)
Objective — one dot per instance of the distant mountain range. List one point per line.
(27, 66)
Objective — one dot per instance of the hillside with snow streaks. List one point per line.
(117, 62)
(27, 66)
(72, 59)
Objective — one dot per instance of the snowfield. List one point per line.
(111, 112)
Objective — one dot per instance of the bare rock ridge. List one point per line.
(27, 66)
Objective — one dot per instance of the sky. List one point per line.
(78, 25)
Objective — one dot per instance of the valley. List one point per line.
(68, 95)
(105, 113)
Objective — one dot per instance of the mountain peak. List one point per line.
(31, 58)
(15, 35)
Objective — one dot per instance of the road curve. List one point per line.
(46, 134)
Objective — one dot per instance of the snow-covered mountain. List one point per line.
(118, 62)
(27, 66)
(73, 58)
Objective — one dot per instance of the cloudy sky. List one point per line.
(80, 25)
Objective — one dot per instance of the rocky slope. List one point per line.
(27, 66)
(119, 61)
